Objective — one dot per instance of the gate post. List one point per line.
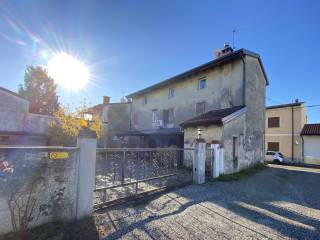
(199, 162)
(216, 160)
(87, 143)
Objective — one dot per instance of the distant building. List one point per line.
(283, 127)
(115, 118)
(311, 143)
(17, 125)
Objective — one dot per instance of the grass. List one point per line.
(81, 229)
(245, 173)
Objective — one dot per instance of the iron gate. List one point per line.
(128, 172)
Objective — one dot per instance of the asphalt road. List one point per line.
(280, 202)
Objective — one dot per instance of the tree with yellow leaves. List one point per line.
(63, 131)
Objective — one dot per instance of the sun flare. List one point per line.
(68, 71)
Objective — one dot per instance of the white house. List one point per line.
(311, 143)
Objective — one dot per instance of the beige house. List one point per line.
(224, 97)
(283, 127)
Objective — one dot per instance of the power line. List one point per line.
(309, 106)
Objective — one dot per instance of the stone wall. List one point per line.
(58, 176)
(255, 88)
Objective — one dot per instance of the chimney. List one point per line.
(225, 51)
(106, 100)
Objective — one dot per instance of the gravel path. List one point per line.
(280, 202)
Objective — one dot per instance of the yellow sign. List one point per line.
(58, 155)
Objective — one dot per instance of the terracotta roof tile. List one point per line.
(210, 118)
(311, 129)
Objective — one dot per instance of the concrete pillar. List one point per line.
(199, 162)
(216, 160)
(221, 161)
(87, 143)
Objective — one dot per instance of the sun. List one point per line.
(68, 71)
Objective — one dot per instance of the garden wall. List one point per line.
(55, 182)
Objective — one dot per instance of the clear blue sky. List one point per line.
(132, 44)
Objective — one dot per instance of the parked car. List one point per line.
(276, 157)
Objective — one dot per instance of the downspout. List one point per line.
(243, 81)
(302, 148)
(292, 134)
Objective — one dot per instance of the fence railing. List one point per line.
(124, 172)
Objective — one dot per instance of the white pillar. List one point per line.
(221, 161)
(216, 160)
(87, 143)
(199, 162)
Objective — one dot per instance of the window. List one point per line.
(145, 100)
(171, 93)
(202, 83)
(200, 107)
(168, 116)
(273, 122)
(273, 146)
(154, 115)
(4, 139)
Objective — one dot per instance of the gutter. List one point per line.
(292, 134)
(302, 148)
(244, 81)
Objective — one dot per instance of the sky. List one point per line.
(129, 45)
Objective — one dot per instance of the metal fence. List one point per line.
(127, 172)
(209, 161)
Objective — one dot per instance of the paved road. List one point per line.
(280, 202)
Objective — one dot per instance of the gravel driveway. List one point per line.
(279, 202)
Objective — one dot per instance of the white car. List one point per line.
(275, 157)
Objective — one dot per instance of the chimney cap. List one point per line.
(106, 99)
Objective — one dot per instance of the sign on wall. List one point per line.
(59, 155)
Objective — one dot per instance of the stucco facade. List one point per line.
(240, 81)
(292, 118)
(17, 125)
(311, 149)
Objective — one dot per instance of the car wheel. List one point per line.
(276, 161)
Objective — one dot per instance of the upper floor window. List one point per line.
(145, 100)
(273, 122)
(200, 107)
(168, 116)
(202, 83)
(154, 115)
(273, 146)
(171, 92)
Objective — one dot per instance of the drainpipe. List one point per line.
(292, 134)
(244, 81)
(302, 148)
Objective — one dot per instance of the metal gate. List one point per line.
(123, 173)
(209, 163)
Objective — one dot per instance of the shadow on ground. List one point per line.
(276, 203)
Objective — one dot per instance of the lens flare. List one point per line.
(68, 71)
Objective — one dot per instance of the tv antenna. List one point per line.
(234, 31)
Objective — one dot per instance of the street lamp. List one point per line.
(199, 133)
(86, 119)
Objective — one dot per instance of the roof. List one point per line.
(311, 129)
(160, 131)
(12, 93)
(296, 104)
(203, 67)
(214, 117)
